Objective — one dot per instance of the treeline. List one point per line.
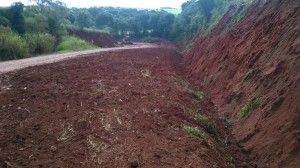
(42, 28)
(121, 21)
(202, 15)
(33, 30)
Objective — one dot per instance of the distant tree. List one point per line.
(36, 23)
(120, 26)
(164, 25)
(142, 20)
(153, 21)
(94, 11)
(4, 21)
(84, 19)
(56, 12)
(16, 17)
(104, 19)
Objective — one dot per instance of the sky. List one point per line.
(149, 4)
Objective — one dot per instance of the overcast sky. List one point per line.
(153, 4)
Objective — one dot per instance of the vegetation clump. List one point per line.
(12, 46)
(247, 108)
(208, 125)
(72, 43)
(200, 94)
(194, 131)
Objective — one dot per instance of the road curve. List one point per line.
(8, 66)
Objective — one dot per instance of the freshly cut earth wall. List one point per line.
(257, 58)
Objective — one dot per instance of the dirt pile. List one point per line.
(96, 38)
(252, 72)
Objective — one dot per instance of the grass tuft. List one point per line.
(208, 125)
(194, 131)
(251, 105)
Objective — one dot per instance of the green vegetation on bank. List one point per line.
(194, 131)
(249, 106)
(72, 43)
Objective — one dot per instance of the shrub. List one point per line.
(251, 105)
(72, 43)
(12, 46)
(40, 43)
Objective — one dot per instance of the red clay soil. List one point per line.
(96, 38)
(258, 58)
(111, 109)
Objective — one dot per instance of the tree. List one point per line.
(84, 19)
(36, 23)
(164, 25)
(104, 19)
(56, 12)
(4, 22)
(142, 20)
(16, 17)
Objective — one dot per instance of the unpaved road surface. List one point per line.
(114, 109)
(8, 66)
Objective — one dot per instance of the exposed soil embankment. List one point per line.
(252, 72)
(96, 38)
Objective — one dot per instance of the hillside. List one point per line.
(251, 71)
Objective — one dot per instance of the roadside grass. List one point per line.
(247, 108)
(72, 43)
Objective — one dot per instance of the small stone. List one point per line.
(53, 148)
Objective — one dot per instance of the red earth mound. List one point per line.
(96, 38)
(110, 109)
(252, 72)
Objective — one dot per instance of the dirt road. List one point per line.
(8, 66)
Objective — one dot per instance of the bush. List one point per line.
(40, 43)
(12, 46)
(72, 43)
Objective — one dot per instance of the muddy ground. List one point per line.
(122, 108)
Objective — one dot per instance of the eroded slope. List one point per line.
(252, 72)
